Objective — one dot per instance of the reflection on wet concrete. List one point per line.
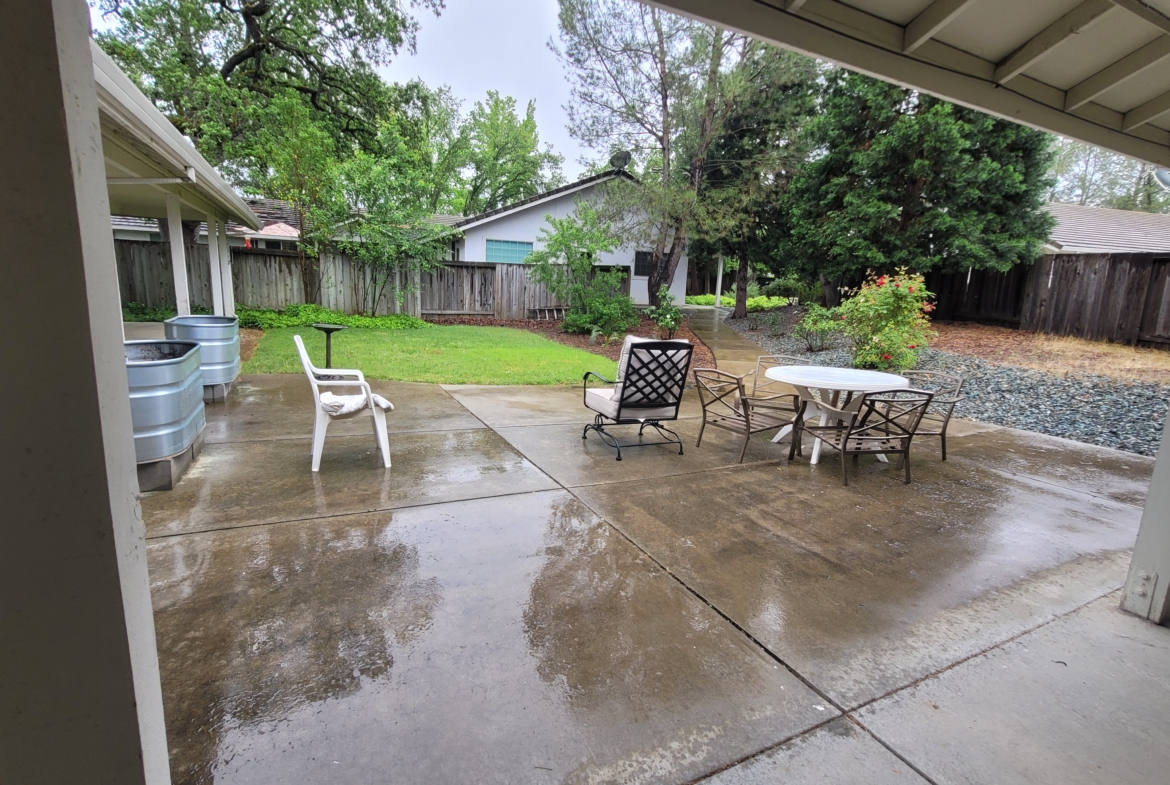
(465, 618)
(517, 639)
(867, 588)
(249, 483)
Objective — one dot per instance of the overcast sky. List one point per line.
(481, 45)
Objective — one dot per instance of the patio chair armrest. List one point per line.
(949, 401)
(585, 378)
(319, 372)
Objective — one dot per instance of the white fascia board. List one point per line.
(121, 100)
(518, 208)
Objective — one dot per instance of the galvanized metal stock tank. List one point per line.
(219, 342)
(166, 397)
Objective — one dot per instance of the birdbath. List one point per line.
(328, 329)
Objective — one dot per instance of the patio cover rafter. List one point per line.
(1052, 36)
(933, 18)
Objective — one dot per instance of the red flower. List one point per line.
(885, 356)
(912, 346)
(911, 288)
(897, 285)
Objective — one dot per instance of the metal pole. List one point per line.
(719, 284)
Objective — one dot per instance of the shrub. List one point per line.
(667, 316)
(792, 286)
(817, 327)
(887, 321)
(307, 315)
(761, 303)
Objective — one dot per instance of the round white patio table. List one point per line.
(832, 381)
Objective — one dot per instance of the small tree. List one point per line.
(667, 316)
(566, 266)
(383, 226)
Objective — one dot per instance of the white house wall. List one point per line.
(524, 225)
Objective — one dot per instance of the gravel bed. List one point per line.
(1094, 409)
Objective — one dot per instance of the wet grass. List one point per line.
(439, 355)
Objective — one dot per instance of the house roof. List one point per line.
(553, 193)
(1101, 230)
(1093, 70)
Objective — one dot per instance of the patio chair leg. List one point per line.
(702, 427)
(381, 436)
(743, 452)
(844, 468)
(906, 464)
(320, 425)
(943, 437)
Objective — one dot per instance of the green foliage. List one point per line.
(565, 265)
(137, 312)
(791, 286)
(817, 328)
(307, 315)
(754, 304)
(887, 321)
(440, 355)
(505, 161)
(1089, 175)
(909, 180)
(667, 316)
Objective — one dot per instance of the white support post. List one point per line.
(80, 695)
(178, 256)
(213, 261)
(1147, 589)
(719, 283)
(225, 268)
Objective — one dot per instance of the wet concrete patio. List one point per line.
(509, 604)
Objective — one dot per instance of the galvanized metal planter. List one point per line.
(166, 397)
(219, 341)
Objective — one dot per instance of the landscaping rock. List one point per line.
(1115, 413)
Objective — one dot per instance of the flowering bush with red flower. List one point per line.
(887, 321)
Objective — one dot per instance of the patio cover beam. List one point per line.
(1052, 36)
(1155, 107)
(1131, 65)
(932, 19)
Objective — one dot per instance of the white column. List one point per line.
(225, 266)
(80, 699)
(178, 256)
(213, 260)
(1147, 589)
(719, 283)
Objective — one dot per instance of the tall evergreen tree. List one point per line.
(903, 179)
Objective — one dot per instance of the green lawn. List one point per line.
(440, 354)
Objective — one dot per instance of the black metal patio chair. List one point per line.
(649, 391)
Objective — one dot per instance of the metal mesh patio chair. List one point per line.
(946, 388)
(726, 405)
(870, 424)
(652, 375)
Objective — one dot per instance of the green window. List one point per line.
(507, 251)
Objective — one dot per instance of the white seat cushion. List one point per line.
(342, 405)
(604, 400)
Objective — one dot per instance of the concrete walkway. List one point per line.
(508, 604)
(733, 352)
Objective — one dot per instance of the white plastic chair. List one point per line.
(339, 377)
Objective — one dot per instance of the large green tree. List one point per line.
(902, 179)
(1092, 176)
(752, 161)
(505, 160)
(215, 68)
(660, 86)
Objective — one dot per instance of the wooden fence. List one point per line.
(1124, 298)
(272, 279)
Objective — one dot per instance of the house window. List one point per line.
(643, 263)
(507, 251)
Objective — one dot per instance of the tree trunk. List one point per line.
(832, 290)
(741, 285)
